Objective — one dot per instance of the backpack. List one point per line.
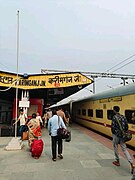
(123, 123)
(67, 114)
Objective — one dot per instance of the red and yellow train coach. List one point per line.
(96, 111)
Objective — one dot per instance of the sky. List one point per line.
(71, 35)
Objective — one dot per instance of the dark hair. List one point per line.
(21, 110)
(116, 108)
(54, 112)
(59, 108)
(34, 115)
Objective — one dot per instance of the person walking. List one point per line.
(38, 117)
(48, 116)
(61, 113)
(117, 136)
(68, 117)
(53, 124)
(34, 137)
(23, 120)
(34, 130)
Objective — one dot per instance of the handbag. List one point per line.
(126, 136)
(62, 133)
(25, 135)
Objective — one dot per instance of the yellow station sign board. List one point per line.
(43, 80)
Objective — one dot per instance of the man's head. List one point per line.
(37, 113)
(54, 112)
(116, 109)
(34, 115)
(21, 111)
(59, 108)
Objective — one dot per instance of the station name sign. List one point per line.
(43, 81)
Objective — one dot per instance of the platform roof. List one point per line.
(51, 87)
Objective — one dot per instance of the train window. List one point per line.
(110, 114)
(84, 112)
(90, 112)
(79, 112)
(130, 115)
(99, 113)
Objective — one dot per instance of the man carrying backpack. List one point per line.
(118, 136)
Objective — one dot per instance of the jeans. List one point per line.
(56, 141)
(116, 141)
(22, 127)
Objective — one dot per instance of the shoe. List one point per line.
(116, 163)
(132, 168)
(60, 156)
(53, 159)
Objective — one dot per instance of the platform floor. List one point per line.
(88, 156)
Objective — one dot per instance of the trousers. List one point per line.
(22, 127)
(56, 141)
(116, 141)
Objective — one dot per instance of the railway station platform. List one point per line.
(88, 156)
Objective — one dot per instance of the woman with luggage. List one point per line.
(34, 134)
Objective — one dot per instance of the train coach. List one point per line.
(95, 112)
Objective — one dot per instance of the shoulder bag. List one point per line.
(127, 136)
(62, 133)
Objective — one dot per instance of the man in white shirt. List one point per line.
(38, 117)
(22, 118)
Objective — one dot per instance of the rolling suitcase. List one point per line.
(37, 148)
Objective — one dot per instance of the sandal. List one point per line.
(60, 156)
(133, 168)
(53, 159)
(116, 163)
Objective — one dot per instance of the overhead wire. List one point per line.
(121, 62)
(124, 65)
(118, 65)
